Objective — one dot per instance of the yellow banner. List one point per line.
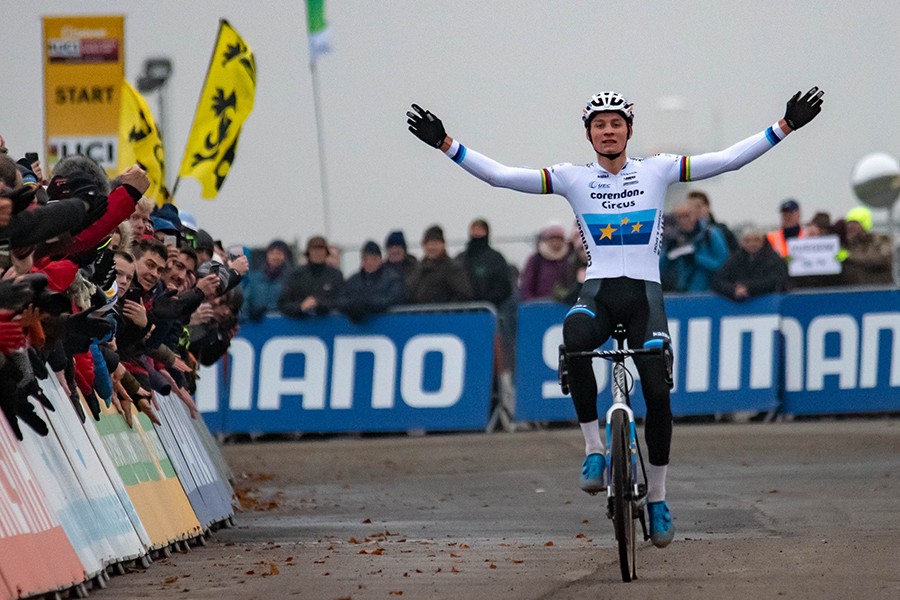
(225, 103)
(140, 143)
(84, 65)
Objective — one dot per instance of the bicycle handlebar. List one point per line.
(617, 354)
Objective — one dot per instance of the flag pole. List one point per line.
(326, 213)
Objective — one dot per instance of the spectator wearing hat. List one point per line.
(120, 203)
(372, 290)
(397, 257)
(790, 227)
(263, 286)
(547, 269)
(310, 289)
(437, 278)
(204, 246)
(754, 270)
(166, 232)
(486, 268)
(868, 260)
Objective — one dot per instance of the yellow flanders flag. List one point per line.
(225, 103)
(141, 144)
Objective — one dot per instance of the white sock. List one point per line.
(593, 443)
(656, 482)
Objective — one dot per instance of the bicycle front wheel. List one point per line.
(621, 465)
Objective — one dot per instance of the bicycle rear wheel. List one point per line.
(623, 517)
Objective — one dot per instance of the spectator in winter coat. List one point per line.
(263, 286)
(309, 290)
(546, 269)
(689, 259)
(372, 290)
(704, 214)
(437, 277)
(755, 269)
(868, 259)
(486, 268)
(397, 258)
(790, 227)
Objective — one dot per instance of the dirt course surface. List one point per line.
(793, 510)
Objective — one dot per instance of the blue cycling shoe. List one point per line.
(592, 479)
(662, 531)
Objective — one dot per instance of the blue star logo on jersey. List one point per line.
(621, 229)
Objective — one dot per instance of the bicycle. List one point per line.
(626, 490)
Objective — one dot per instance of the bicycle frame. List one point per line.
(623, 505)
(621, 403)
(619, 385)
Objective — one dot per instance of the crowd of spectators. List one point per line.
(699, 253)
(120, 299)
(116, 298)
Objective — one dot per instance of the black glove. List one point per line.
(33, 390)
(76, 403)
(426, 126)
(22, 197)
(15, 294)
(83, 327)
(38, 364)
(104, 272)
(9, 397)
(26, 413)
(93, 404)
(801, 111)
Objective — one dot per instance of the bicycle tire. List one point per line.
(623, 518)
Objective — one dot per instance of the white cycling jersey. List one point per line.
(620, 216)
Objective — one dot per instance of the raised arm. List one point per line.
(799, 112)
(430, 130)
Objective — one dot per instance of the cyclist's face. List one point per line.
(608, 133)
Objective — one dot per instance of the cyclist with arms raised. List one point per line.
(618, 203)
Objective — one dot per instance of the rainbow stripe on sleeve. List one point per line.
(546, 182)
(685, 169)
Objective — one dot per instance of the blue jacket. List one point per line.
(261, 294)
(688, 261)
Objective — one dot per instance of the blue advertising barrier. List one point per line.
(394, 372)
(842, 352)
(813, 352)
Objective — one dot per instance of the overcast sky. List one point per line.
(508, 78)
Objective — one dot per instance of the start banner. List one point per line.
(394, 372)
(84, 65)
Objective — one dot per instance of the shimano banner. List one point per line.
(841, 352)
(816, 352)
(394, 372)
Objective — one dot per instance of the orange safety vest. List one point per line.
(778, 243)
